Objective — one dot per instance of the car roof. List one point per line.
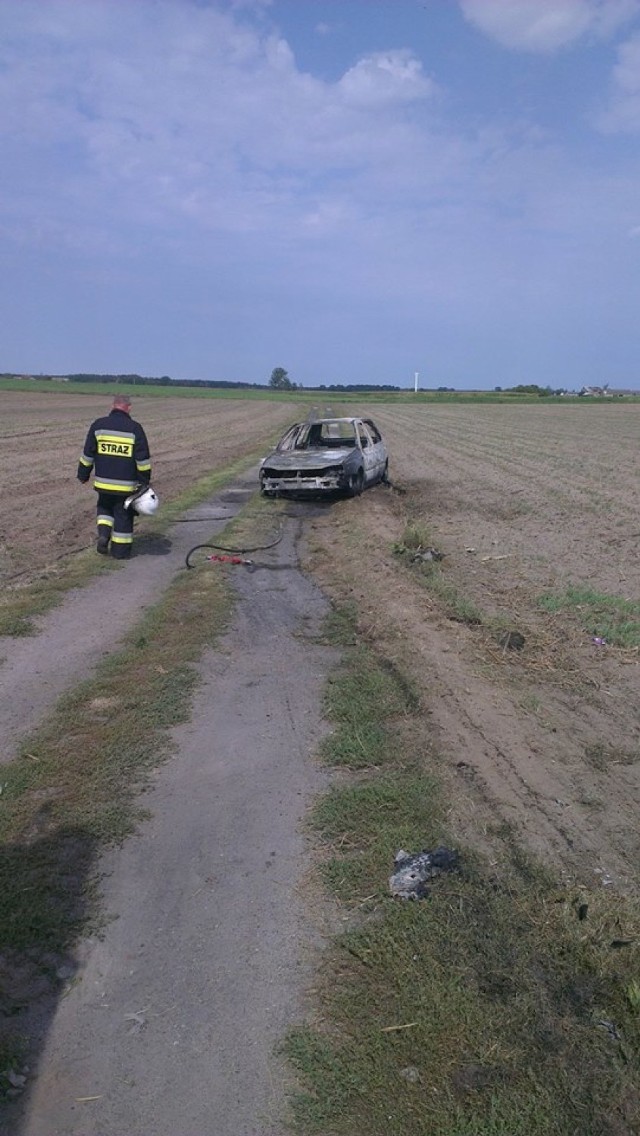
(327, 418)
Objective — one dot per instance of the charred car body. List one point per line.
(328, 455)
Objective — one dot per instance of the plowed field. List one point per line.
(524, 502)
(44, 510)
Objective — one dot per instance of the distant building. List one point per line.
(595, 392)
(607, 392)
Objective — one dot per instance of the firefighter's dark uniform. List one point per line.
(117, 447)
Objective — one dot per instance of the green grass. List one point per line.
(531, 703)
(432, 574)
(489, 1008)
(370, 822)
(340, 626)
(416, 536)
(610, 617)
(601, 756)
(21, 602)
(88, 761)
(360, 740)
(142, 390)
(457, 607)
(503, 1000)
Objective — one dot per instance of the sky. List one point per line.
(354, 190)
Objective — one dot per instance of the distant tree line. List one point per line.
(163, 381)
(355, 387)
(279, 381)
(531, 388)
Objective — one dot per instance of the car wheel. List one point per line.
(356, 484)
(385, 474)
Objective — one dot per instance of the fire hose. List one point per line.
(228, 555)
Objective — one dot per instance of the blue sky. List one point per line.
(354, 190)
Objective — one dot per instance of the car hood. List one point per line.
(307, 459)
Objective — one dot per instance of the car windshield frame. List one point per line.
(325, 434)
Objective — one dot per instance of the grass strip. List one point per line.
(608, 617)
(21, 602)
(360, 740)
(314, 394)
(75, 786)
(416, 541)
(148, 390)
(505, 1004)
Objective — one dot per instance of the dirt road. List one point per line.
(91, 622)
(170, 1025)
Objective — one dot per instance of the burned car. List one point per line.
(326, 455)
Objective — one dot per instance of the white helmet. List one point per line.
(144, 501)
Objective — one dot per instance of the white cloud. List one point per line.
(179, 128)
(175, 112)
(546, 25)
(623, 111)
(385, 78)
(250, 5)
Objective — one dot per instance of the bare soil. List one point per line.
(521, 501)
(44, 511)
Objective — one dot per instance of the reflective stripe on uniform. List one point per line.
(115, 486)
(104, 519)
(143, 467)
(84, 460)
(121, 538)
(115, 436)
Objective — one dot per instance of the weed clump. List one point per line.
(611, 619)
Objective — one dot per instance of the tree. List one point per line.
(280, 380)
(529, 388)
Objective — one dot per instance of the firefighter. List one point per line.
(117, 449)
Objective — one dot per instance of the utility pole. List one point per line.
(415, 382)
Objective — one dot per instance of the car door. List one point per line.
(378, 449)
(368, 452)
